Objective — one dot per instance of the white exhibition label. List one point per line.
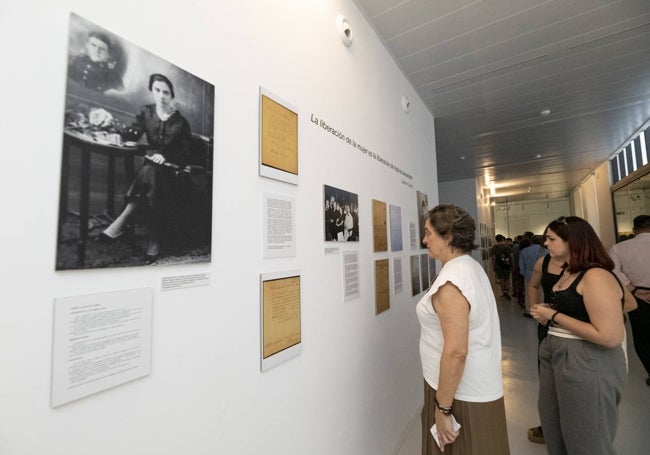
(351, 289)
(412, 237)
(397, 275)
(169, 283)
(279, 226)
(100, 341)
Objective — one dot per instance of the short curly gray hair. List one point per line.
(451, 220)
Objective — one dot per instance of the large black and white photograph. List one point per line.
(136, 168)
(341, 215)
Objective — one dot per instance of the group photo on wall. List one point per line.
(341, 213)
(137, 157)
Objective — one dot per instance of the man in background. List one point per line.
(527, 259)
(502, 264)
(632, 266)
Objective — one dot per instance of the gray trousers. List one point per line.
(580, 387)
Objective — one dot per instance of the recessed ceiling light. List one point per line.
(538, 156)
(545, 112)
(462, 157)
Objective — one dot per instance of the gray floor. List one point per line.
(519, 339)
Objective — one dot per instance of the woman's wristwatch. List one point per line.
(446, 410)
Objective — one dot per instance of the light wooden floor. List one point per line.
(519, 341)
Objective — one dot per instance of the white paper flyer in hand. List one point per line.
(454, 425)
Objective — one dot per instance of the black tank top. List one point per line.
(548, 279)
(569, 302)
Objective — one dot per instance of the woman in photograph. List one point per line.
(460, 344)
(159, 185)
(582, 362)
(348, 223)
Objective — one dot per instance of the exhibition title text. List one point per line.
(354, 144)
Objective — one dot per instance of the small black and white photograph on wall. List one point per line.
(395, 217)
(136, 168)
(341, 214)
(415, 275)
(424, 271)
(432, 270)
(423, 209)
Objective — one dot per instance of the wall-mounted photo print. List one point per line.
(278, 138)
(379, 226)
(395, 216)
(136, 173)
(415, 275)
(280, 325)
(424, 271)
(341, 215)
(423, 209)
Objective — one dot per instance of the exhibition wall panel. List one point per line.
(357, 383)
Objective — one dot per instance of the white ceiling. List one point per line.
(486, 69)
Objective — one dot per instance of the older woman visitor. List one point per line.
(460, 344)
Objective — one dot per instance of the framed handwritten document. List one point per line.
(281, 337)
(382, 295)
(379, 226)
(278, 138)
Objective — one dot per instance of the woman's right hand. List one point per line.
(539, 315)
(157, 158)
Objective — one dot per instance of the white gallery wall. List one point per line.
(592, 200)
(357, 385)
(463, 193)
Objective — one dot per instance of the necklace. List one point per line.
(164, 116)
(565, 278)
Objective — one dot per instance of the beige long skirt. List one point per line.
(483, 427)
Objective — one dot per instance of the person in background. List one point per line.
(582, 362)
(521, 295)
(95, 67)
(348, 223)
(516, 282)
(158, 187)
(632, 266)
(460, 344)
(546, 272)
(502, 264)
(527, 260)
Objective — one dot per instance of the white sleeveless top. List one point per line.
(482, 380)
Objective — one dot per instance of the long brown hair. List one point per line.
(585, 248)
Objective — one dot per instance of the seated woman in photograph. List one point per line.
(460, 344)
(582, 363)
(158, 187)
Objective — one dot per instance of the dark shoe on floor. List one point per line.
(536, 435)
(150, 259)
(104, 239)
(528, 315)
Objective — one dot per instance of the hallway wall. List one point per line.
(358, 382)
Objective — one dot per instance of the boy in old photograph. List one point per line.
(95, 67)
